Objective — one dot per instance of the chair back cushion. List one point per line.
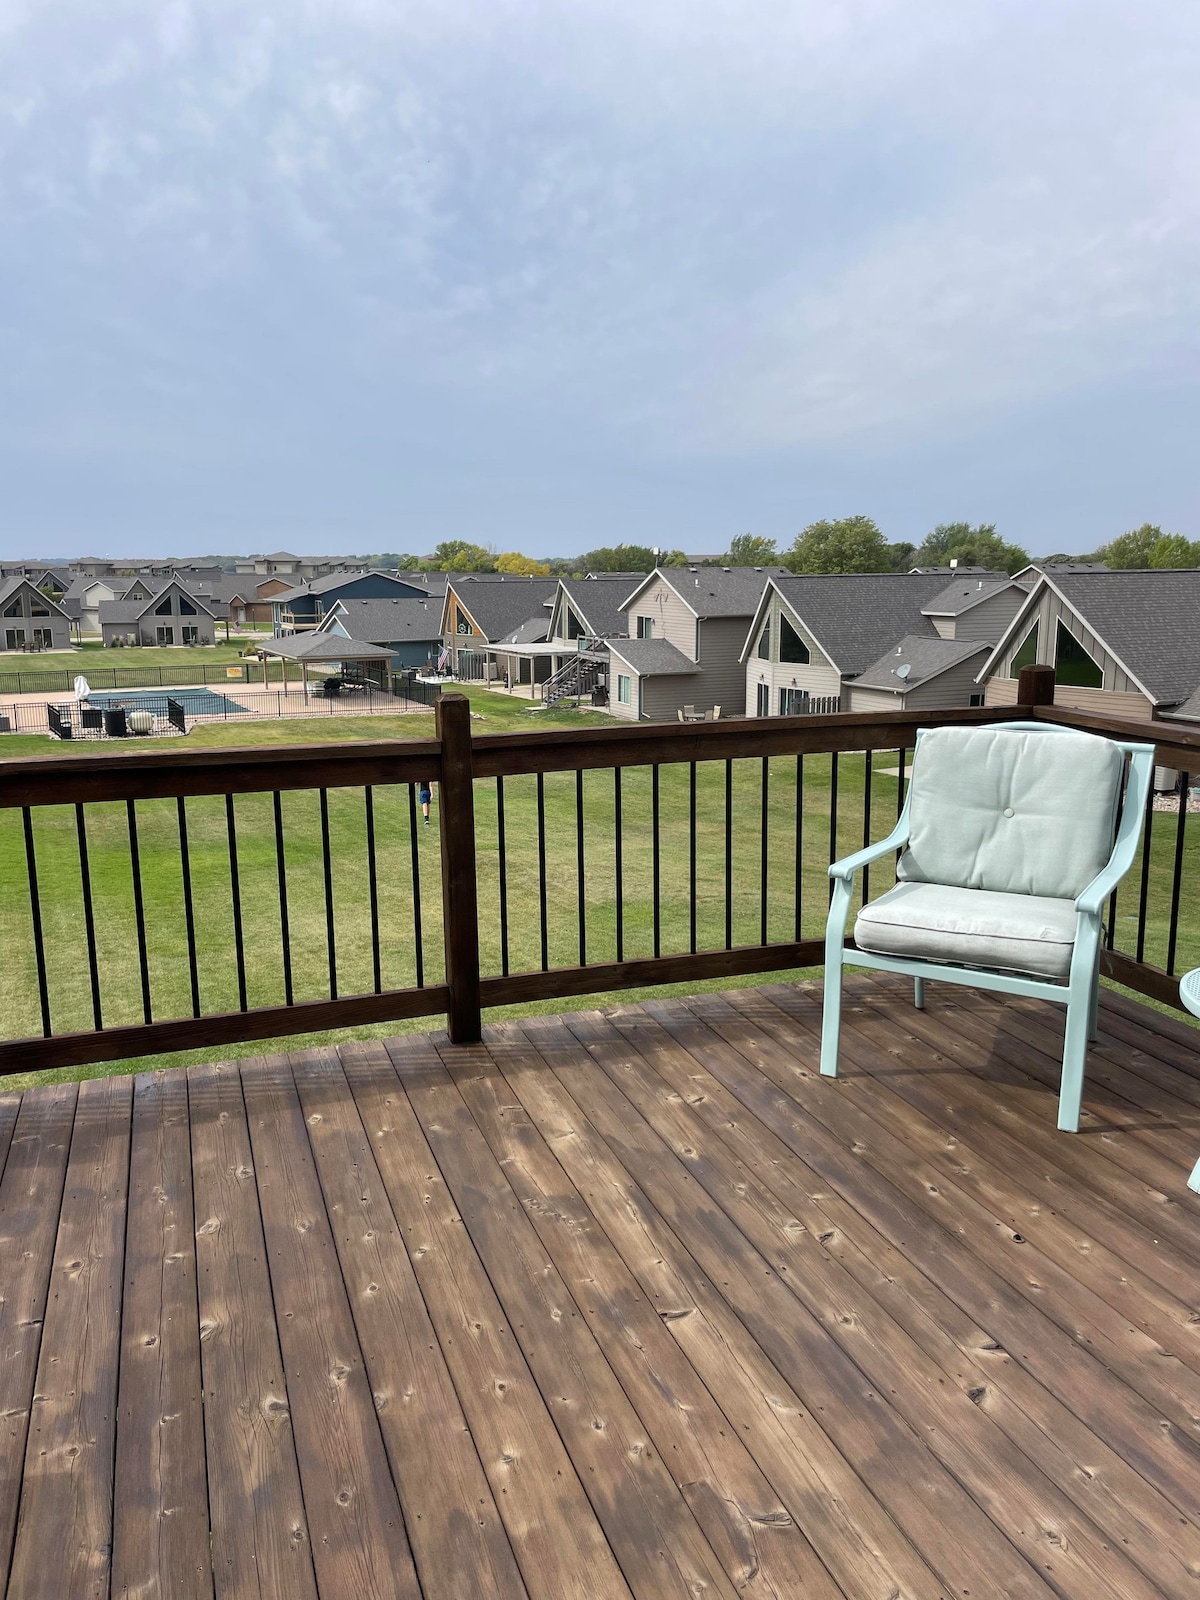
(1012, 810)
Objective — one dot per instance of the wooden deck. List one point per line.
(615, 1304)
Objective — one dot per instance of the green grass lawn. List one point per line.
(59, 878)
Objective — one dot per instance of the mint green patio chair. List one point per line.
(1013, 835)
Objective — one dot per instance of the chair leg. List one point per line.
(1094, 1009)
(919, 993)
(1194, 1180)
(1070, 1094)
(831, 1019)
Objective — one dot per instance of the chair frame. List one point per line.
(1080, 994)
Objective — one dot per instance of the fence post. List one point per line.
(1035, 687)
(460, 907)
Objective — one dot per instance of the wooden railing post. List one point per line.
(1035, 686)
(460, 907)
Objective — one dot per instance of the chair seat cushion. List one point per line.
(970, 927)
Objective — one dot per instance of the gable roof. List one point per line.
(387, 620)
(653, 658)
(332, 581)
(925, 659)
(713, 591)
(598, 603)
(124, 610)
(500, 609)
(855, 616)
(964, 593)
(322, 646)
(11, 586)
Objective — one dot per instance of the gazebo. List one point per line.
(330, 649)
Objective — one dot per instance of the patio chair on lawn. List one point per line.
(1013, 837)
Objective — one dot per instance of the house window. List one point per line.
(976, 700)
(764, 643)
(191, 635)
(645, 627)
(764, 700)
(165, 635)
(14, 638)
(623, 687)
(43, 639)
(163, 608)
(575, 629)
(14, 608)
(1073, 665)
(791, 646)
(792, 702)
(463, 626)
(38, 606)
(186, 607)
(1026, 656)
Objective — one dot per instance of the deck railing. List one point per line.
(158, 900)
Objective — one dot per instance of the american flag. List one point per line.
(444, 659)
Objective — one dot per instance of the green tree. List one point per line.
(751, 550)
(848, 544)
(902, 556)
(457, 555)
(522, 566)
(970, 547)
(672, 558)
(618, 558)
(1149, 546)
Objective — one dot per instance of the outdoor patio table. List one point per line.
(1189, 994)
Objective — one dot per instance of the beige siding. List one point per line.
(988, 620)
(672, 620)
(944, 626)
(1003, 692)
(626, 713)
(819, 676)
(1000, 692)
(722, 675)
(868, 700)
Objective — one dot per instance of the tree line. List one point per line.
(845, 544)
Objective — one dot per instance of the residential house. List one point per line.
(83, 600)
(169, 615)
(494, 626)
(30, 619)
(304, 606)
(297, 569)
(411, 629)
(872, 641)
(696, 619)
(1126, 643)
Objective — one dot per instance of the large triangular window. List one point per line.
(791, 646)
(1026, 656)
(1072, 663)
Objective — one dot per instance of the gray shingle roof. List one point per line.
(121, 610)
(1151, 620)
(964, 593)
(925, 659)
(390, 621)
(598, 601)
(317, 646)
(856, 616)
(10, 586)
(652, 658)
(719, 591)
(501, 608)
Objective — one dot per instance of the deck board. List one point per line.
(616, 1304)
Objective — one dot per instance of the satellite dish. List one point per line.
(903, 672)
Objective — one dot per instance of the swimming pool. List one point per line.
(195, 702)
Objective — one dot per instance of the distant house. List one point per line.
(169, 615)
(1123, 642)
(411, 629)
(872, 641)
(84, 598)
(700, 614)
(493, 625)
(298, 569)
(305, 605)
(30, 619)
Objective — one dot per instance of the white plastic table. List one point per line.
(1189, 994)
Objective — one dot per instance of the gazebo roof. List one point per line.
(318, 646)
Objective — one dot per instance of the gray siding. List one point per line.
(31, 610)
(988, 620)
(664, 698)
(722, 680)
(954, 687)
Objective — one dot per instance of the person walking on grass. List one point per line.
(425, 795)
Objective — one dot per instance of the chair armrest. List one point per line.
(1092, 899)
(849, 865)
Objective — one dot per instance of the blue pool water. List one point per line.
(195, 702)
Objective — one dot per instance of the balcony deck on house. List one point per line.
(616, 1303)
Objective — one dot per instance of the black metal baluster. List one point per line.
(692, 854)
(373, 889)
(541, 835)
(235, 893)
(656, 858)
(89, 919)
(189, 909)
(327, 862)
(799, 839)
(503, 871)
(139, 909)
(285, 932)
(729, 855)
(833, 805)
(866, 877)
(416, 884)
(900, 784)
(1177, 880)
(35, 911)
(1111, 937)
(762, 866)
(620, 874)
(1144, 887)
(579, 868)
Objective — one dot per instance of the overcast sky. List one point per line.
(353, 275)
